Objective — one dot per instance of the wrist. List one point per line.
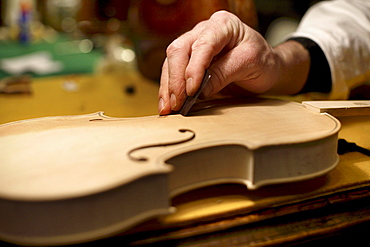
(319, 77)
(293, 67)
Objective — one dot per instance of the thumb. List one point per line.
(248, 66)
(223, 71)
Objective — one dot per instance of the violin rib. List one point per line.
(72, 179)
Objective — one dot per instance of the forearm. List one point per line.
(293, 68)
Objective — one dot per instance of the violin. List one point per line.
(71, 179)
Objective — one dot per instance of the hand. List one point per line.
(235, 55)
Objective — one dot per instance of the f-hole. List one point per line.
(143, 159)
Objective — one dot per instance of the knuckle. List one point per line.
(176, 46)
(224, 17)
(202, 41)
(222, 14)
(207, 40)
(226, 20)
(218, 79)
(181, 43)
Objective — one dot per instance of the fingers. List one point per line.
(164, 107)
(189, 56)
(172, 84)
(178, 54)
(172, 92)
(217, 35)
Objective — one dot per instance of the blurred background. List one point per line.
(76, 42)
(124, 31)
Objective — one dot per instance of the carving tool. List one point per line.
(190, 100)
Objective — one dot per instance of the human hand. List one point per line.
(233, 53)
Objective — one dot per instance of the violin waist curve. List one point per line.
(95, 176)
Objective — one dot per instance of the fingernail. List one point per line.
(160, 106)
(173, 102)
(189, 86)
(207, 90)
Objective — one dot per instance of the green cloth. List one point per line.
(73, 63)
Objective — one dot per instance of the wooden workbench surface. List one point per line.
(213, 210)
(118, 95)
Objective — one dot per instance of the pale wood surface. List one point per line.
(79, 157)
(340, 108)
(210, 203)
(93, 149)
(98, 92)
(216, 202)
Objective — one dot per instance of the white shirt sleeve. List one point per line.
(342, 30)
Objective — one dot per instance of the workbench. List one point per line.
(332, 207)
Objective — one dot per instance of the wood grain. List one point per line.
(59, 171)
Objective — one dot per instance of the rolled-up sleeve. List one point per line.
(342, 30)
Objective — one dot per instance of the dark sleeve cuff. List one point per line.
(319, 77)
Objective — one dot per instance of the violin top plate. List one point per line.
(70, 156)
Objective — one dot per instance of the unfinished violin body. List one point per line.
(72, 179)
